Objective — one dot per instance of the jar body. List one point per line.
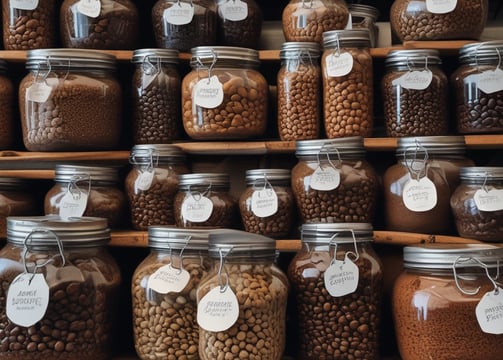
(237, 26)
(15, 201)
(7, 125)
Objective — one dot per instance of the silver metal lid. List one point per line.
(342, 38)
(481, 173)
(65, 173)
(324, 233)
(435, 145)
(208, 55)
(295, 49)
(64, 59)
(253, 175)
(413, 58)
(488, 52)
(146, 153)
(236, 243)
(205, 179)
(170, 56)
(168, 237)
(364, 11)
(351, 146)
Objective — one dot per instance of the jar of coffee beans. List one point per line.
(332, 181)
(7, 99)
(152, 183)
(477, 203)
(239, 23)
(307, 20)
(448, 292)
(99, 24)
(478, 88)
(416, 94)
(337, 281)
(17, 198)
(299, 88)
(164, 298)
(28, 24)
(241, 303)
(438, 20)
(59, 289)
(348, 89)
(224, 96)
(156, 96)
(365, 17)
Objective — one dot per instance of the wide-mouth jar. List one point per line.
(239, 23)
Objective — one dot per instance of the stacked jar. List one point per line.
(7, 99)
(239, 23)
(364, 17)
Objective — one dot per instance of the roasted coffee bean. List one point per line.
(243, 33)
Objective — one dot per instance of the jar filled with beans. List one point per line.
(448, 292)
(242, 301)
(224, 96)
(152, 183)
(337, 281)
(478, 88)
(365, 17)
(164, 298)
(7, 99)
(416, 94)
(348, 89)
(239, 23)
(59, 289)
(299, 88)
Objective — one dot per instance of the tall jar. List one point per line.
(299, 88)
(164, 297)
(156, 96)
(365, 17)
(16, 199)
(239, 23)
(444, 294)
(477, 205)
(337, 281)
(64, 89)
(152, 183)
(59, 285)
(7, 100)
(416, 94)
(348, 89)
(333, 182)
(99, 24)
(242, 301)
(478, 88)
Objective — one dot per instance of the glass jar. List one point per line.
(478, 89)
(29, 24)
(438, 20)
(224, 97)
(242, 301)
(299, 87)
(99, 24)
(365, 17)
(183, 24)
(337, 280)
(333, 182)
(416, 94)
(63, 91)
(477, 205)
(60, 287)
(164, 298)
(348, 89)
(267, 205)
(203, 200)
(156, 96)
(239, 23)
(434, 302)
(7, 100)
(152, 183)
(307, 20)
(16, 199)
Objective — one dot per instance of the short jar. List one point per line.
(365, 17)
(239, 23)
(7, 100)
(16, 199)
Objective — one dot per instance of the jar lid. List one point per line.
(146, 153)
(481, 173)
(63, 59)
(209, 55)
(348, 37)
(413, 58)
(214, 179)
(170, 56)
(364, 11)
(323, 233)
(65, 173)
(235, 243)
(253, 175)
(487, 52)
(435, 145)
(168, 237)
(296, 49)
(351, 146)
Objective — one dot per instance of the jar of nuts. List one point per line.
(299, 88)
(164, 297)
(306, 20)
(333, 182)
(416, 94)
(242, 301)
(224, 96)
(7, 99)
(348, 89)
(59, 288)
(156, 96)
(239, 23)
(448, 292)
(337, 280)
(478, 88)
(477, 204)
(152, 183)
(365, 17)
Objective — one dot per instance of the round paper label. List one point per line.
(415, 80)
(233, 10)
(339, 65)
(440, 6)
(38, 92)
(490, 81)
(168, 279)
(198, 209)
(264, 203)
(218, 310)
(90, 8)
(489, 312)
(341, 278)
(73, 204)
(179, 13)
(27, 299)
(208, 93)
(419, 195)
(325, 178)
(491, 200)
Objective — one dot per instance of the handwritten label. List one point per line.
(197, 209)
(341, 277)
(491, 200)
(325, 178)
(419, 195)
(264, 203)
(167, 279)
(339, 65)
(233, 10)
(208, 93)
(27, 299)
(490, 81)
(218, 310)
(73, 204)
(489, 312)
(415, 80)
(179, 13)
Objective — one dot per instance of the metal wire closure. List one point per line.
(333, 243)
(479, 263)
(422, 171)
(223, 288)
(180, 269)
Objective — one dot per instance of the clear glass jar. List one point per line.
(337, 280)
(239, 23)
(299, 88)
(245, 278)
(333, 182)
(152, 183)
(16, 199)
(348, 89)
(64, 89)
(416, 94)
(478, 89)
(156, 96)
(62, 268)
(7, 100)
(29, 24)
(365, 17)
(99, 24)
(434, 306)
(476, 204)
(164, 297)
(224, 96)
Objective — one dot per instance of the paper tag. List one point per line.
(339, 65)
(218, 310)
(27, 299)
(147, 79)
(38, 92)
(197, 209)
(168, 279)
(208, 93)
(24, 4)
(341, 278)
(90, 8)
(490, 81)
(349, 25)
(415, 80)
(325, 178)
(440, 6)
(489, 312)
(491, 200)
(419, 195)
(73, 204)
(144, 181)
(264, 202)
(236, 10)
(179, 13)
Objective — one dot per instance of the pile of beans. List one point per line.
(244, 33)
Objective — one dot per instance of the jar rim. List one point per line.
(67, 172)
(235, 243)
(338, 233)
(143, 153)
(170, 56)
(207, 55)
(413, 57)
(167, 237)
(350, 146)
(364, 10)
(214, 179)
(433, 144)
(346, 37)
(296, 49)
(481, 173)
(68, 59)
(481, 52)
(252, 175)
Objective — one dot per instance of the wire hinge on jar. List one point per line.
(479, 263)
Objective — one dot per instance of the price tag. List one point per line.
(208, 93)
(264, 203)
(489, 312)
(440, 6)
(491, 200)
(341, 277)
(144, 181)
(89, 8)
(339, 65)
(73, 204)
(27, 299)
(38, 92)
(490, 81)
(233, 10)
(415, 80)
(168, 279)
(218, 310)
(198, 209)
(419, 195)
(179, 13)
(24, 4)
(325, 178)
